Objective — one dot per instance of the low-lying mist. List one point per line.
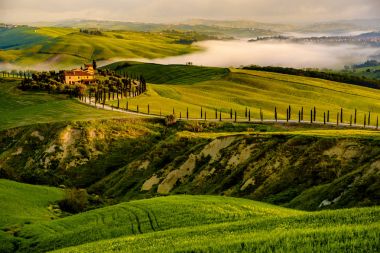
(238, 53)
(274, 53)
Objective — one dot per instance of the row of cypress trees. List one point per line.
(233, 115)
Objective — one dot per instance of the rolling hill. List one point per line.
(181, 87)
(219, 30)
(200, 223)
(169, 74)
(93, 155)
(23, 204)
(52, 48)
(173, 176)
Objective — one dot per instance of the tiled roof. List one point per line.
(78, 73)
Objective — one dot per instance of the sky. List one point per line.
(161, 11)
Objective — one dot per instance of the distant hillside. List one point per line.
(239, 28)
(19, 37)
(219, 30)
(51, 48)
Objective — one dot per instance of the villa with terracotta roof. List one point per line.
(85, 75)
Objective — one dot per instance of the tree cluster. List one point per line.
(337, 77)
(91, 31)
(112, 86)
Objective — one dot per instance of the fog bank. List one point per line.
(273, 53)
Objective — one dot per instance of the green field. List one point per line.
(238, 89)
(23, 204)
(25, 108)
(169, 74)
(194, 223)
(65, 47)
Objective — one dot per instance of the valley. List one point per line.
(128, 126)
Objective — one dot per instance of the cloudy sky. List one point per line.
(284, 11)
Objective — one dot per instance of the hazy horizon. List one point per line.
(164, 11)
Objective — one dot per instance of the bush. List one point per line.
(194, 127)
(170, 120)
(75, 201)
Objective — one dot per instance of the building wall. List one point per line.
(76, 79)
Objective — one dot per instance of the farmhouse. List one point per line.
(85, 75)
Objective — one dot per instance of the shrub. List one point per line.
(170, 120)
(194, 127)
(75, 201)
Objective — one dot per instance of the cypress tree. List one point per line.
(351, 120)
(148, 109)
(290, 112)
(246, 112)
(365, 121)
(369, 118)
(201, 112)
(275, 113)
(337, 119)
(302, 113)
(249, 115)
(205, 115)
(231, 113)
(328, 116)
(220, 116)
(324, 118)
(377, 122)
(311, 116)
(235, 116)
(287, 114)
(173, 111)
(261, 115)
(216, 113)
(355, 116)
(299, 116)
(341, 115)
(187, 113)
(315, 114)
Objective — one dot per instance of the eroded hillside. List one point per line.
(129, 159)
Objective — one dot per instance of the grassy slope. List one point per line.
(19, 37)
(115, 158)
(374, 72)
(23, 204)
(214, 223)
(169, 74)
(62, 47)
(24, 108)
(253, 89)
